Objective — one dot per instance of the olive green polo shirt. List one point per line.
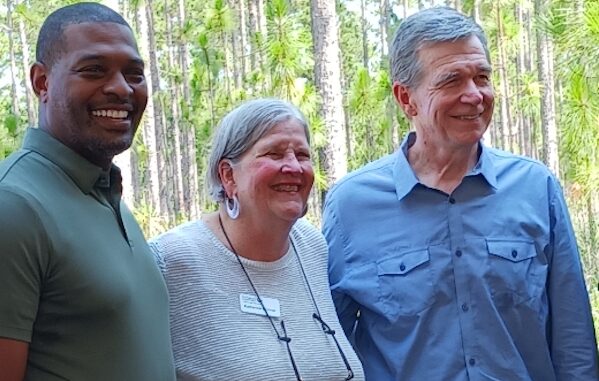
(77, 279)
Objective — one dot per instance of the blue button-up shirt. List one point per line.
(481, 284)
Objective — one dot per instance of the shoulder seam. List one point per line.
(370, 167)
(20, 155)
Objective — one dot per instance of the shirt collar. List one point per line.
(85, 174)
(405, 179)
(485, 167)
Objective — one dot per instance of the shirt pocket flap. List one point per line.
(403, 263)
(514, 251)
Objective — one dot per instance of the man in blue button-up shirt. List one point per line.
(450, 260)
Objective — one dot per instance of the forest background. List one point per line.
(331, 59)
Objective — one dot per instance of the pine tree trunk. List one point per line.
(188, 163)
(123, 161)
(593, 224)
(530, 66)
(507, 141)
(549, 128)
(476, 11)
(328, 82)
(524, 135)
(184, 55)
(255, 54)
(258, 34)
(177, 140)
(153, 131)
(363, 23)
(261, 14)
(164, 169)
(384, 9)
(236, 50)
(11, 57)
(241, 9)
(226, 60)
(31, 110)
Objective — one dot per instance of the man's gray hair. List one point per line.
(241, 128)
(439, 24)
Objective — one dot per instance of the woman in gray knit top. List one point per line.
(249, 295)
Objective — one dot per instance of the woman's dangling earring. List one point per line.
(232, 206)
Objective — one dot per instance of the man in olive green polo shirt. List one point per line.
(80, 295)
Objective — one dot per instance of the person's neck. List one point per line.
(441, 168)
(96, 158)
(254, 240)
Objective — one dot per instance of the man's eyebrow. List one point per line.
(485, 67)
(445, 77)
(99, 57)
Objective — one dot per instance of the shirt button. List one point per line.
(452, 200)
(465, 307)
(402, 267)
(472, 361)
(514, 253)
(458, 253)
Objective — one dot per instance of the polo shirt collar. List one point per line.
(405, 179)
(80, 170)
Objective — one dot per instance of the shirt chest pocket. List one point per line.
(515, 273)
(405, 283)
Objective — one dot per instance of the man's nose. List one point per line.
(117, 84)
(472, 94)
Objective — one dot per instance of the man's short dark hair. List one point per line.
(50, 45)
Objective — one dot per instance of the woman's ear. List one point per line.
(225, 172)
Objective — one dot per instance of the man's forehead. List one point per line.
(98, 31)
(91, 36)
(434, 51)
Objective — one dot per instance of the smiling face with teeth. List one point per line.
(452, 104)
(93, 97)
(274, 177)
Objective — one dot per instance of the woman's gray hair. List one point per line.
(240, 129)
(439, 24)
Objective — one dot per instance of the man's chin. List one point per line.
(110, 149)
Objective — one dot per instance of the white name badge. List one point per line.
(250, 304)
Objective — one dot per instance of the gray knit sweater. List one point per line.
(214, 340)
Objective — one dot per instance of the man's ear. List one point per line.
(225, 172)
(39, 81)
(402, 96)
